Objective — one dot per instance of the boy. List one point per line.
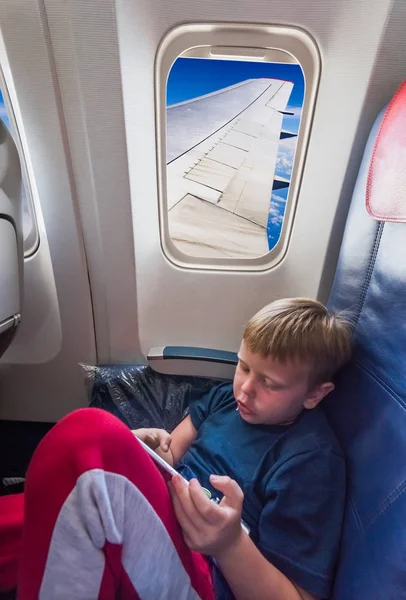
(260, 444)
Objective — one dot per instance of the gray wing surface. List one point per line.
(222, 150)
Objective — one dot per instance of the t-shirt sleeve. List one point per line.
(300, 526)
(202, 407)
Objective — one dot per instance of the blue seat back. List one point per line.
(368, 408)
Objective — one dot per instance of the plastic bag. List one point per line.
(141, 397)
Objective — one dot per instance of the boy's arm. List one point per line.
(216, 530)
(183, 437)
(251, 575)
(170, 447)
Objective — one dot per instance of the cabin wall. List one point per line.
(100, 288)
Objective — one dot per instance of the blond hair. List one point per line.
(299, 329)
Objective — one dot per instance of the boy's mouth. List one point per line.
(243, 409)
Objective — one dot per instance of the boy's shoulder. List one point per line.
(220, 395)
(315, 426)
(223, 391)
(313, 432)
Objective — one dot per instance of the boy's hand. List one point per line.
(154, 438)
(208, 527)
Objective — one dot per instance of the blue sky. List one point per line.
(193, 77)
(276, 214)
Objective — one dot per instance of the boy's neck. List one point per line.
(291, 421)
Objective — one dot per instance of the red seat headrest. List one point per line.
(386, 184)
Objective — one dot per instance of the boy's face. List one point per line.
(271, 393)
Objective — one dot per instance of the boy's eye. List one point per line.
(244, 368)
(269, 385)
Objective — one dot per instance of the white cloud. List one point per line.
(277, 209)
(284, 162)
(276, 217)
(288, 143)
(278, 200)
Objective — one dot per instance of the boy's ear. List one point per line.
(317, 394)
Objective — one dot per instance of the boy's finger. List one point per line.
(165, 440)
(181, 491)
(233, 494)
(183, 521)
(152, 441)
(188, 525)
(209, 511)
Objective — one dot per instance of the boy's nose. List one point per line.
(248, 387)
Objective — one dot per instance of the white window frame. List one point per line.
(270, 40)
(30, 241)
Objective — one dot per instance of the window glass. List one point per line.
(29, 224)
(231, 133)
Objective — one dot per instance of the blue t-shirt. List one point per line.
(293, 479)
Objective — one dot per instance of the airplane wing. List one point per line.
(222, 150)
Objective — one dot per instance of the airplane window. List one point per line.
(231, 134)
(30, 230)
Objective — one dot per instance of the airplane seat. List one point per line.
(11, 242)
(368, 408)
